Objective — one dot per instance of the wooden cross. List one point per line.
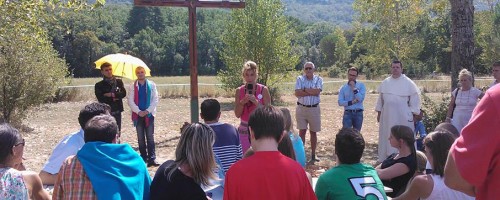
(192, 5)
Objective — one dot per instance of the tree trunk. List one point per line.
(462, 38)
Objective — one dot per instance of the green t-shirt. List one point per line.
(356, 181)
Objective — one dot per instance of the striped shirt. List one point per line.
(72, 182)
(304, 83)
(227, 145)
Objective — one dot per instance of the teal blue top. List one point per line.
(116, 171)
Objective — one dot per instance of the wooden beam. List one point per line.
(195, 3)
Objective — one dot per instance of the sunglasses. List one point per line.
(20, 143)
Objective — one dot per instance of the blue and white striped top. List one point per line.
(227, 145)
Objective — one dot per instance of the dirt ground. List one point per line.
(51, 122)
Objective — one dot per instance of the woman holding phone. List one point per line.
(248, 96)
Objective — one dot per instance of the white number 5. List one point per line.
(363, 187)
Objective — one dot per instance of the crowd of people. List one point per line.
(264, 158)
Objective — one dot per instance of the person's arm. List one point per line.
(266, 96)
(360, 96)
(301, 93)
(299, 90)
(341, 98)
(414, 103)
(420, 187)
(34, 183)
(312, 91)
(239, 103)
(133, 107)
(99, 94)
(122, 93)
(47, 178)
(154, 98)
(395, 170)
(450, 108)
(454, 180)
(379, 105)
(317, 88)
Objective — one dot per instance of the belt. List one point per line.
(354, 111)
(309, 106)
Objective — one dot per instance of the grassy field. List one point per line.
(81, 89)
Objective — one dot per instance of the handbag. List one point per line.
(454, 104)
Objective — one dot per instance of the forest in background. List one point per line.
(420, 37)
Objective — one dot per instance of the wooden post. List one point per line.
(193, 57)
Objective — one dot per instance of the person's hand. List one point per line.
(352, 84)
(252, 99)
(143, 113)
(355, 101)
(244, 100)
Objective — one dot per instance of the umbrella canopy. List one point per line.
(123, 65)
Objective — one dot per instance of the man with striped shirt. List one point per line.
(307, 90)
(227, 147)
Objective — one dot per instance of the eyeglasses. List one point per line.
(308, 68)
(20, 143)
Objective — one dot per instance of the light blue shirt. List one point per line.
(346, 95)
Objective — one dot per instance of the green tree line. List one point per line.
(416, 32)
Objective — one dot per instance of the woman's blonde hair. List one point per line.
(465, 73)
(421, 162)
(249, 65)
(195, 150)
(287, 118)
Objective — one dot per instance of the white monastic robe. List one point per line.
(399, 99)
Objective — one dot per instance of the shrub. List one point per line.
(435, 110)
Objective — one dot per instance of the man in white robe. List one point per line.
(398, 101)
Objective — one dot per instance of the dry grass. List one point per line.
(50, 122)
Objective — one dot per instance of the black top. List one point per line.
(115, 86)
(179, 186)
(398, 184)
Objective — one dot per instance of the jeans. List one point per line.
(353, 120)
(146, 134)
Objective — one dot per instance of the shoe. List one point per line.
(314, 159)
(153, 163)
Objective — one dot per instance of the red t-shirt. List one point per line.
(477, 150)
(267, 175)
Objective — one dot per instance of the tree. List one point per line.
(30, 69)
(392, 32)
(258, 33)
(143, 17)
(487, 37)
(462, 37)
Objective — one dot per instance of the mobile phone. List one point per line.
(249, 88)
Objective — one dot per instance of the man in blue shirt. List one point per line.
(351, 96)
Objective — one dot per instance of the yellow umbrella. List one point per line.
(123, 65)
